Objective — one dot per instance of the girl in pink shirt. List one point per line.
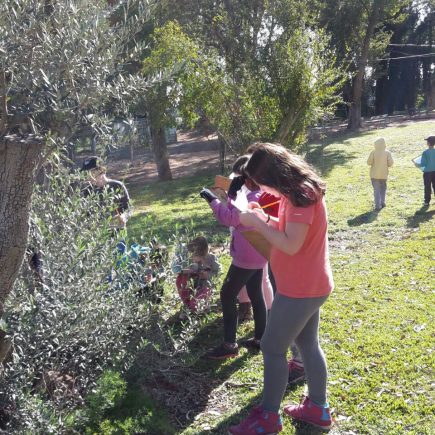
(246, 269)
(300, 265)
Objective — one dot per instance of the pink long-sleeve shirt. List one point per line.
(242, 252)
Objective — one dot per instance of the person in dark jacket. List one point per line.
(99, 183)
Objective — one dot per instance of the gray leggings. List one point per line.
(379, 192)
(293, 320)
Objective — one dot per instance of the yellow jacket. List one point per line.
(380, 159)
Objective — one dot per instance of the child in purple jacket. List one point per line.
(246, 269)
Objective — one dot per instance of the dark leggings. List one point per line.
(429, 184)
(234, 281)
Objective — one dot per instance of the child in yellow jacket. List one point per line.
(380, 159)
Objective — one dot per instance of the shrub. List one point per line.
(110, 390)
(84, 311)
(70, 320)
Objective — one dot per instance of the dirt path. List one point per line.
(195, 153)
(192, 154)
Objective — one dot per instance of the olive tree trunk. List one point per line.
(18, 160)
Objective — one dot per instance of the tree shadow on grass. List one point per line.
(174, 191)
(186, 388)
(134, 413)
(324, 159)
(420, 216)
(238, 415)
(187, 210)
(145, 227)
(184, 384)
(222, 427)
(364, 218)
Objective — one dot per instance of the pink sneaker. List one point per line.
(258, 422)
(309, 412)
(296, 372)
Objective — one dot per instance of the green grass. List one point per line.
(162, 209)
(377, 326)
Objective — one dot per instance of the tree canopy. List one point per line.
(267, 83)
(62, 66)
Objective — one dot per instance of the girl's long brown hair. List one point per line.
(274, 166)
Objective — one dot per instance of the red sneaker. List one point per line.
(309, 412)
(255, 411)
(258, 422)
(296, 372)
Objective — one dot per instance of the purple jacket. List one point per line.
(241, 251)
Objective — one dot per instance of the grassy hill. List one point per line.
(377, 326)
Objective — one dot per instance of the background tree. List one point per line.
(152, 104)
(375, 11)
(407, 82)
(357, 31)
(397, 81)
(170, 51)
(261, 70)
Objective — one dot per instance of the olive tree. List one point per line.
(61, 67)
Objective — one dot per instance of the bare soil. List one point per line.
(193, 153)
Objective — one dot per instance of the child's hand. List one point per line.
(253, 205)
(220, 193)
(258, 210)
(122, 219)
(194, 268)
(208, 195)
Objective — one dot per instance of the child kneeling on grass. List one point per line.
(193, 283)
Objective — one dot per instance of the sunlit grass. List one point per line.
(377, 327)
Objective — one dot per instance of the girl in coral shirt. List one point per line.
(300, 265)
